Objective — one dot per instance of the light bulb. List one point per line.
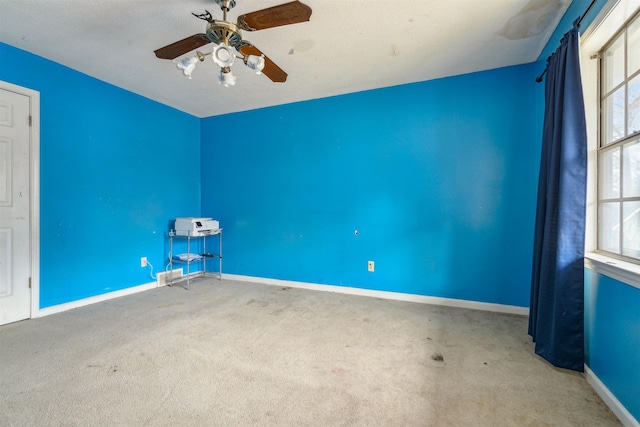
(187, 65)
(226, 77)
(255, 63)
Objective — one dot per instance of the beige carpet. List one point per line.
(238, 354)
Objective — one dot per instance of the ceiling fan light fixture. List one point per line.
(223, 55)
(187, 65)
(254, 62)
(226, 77)
(227, 38)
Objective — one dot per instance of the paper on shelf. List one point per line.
(187, 257)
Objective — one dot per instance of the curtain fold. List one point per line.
(556, 320)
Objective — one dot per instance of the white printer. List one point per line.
(191, 226)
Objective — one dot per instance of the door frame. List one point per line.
(34, 190)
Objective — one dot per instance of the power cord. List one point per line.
(151, 270)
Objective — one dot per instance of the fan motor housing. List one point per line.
(224, 32)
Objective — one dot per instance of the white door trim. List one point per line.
(34, 190)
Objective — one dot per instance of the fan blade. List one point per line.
(183, 46)
(276, 16)
(271, 70)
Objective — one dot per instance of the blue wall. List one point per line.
(115, 169)
(439, 179)
(612, 345)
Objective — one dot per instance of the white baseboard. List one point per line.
(95, 299)
(614, 404)
(160, 281)
(448, 302)
(109, 295)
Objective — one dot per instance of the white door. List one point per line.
(15, 260)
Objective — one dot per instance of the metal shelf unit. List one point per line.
(202, 257)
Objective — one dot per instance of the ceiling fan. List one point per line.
(228, 36)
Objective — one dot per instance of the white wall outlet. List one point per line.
(371, 266)
(143, 261)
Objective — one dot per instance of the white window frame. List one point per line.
(608, 22)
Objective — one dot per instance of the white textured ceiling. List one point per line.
(347, 46)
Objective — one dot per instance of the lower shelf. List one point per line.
(187, 278)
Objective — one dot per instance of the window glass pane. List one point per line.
(613, 117)
(613, 64)
(609, 174)
(631, 229)
(609, 227)
(634, 104)
(633, 48)
(631, 170)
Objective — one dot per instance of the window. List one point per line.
(618, 154)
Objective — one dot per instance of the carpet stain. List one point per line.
(171, 304)
(257, 303)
